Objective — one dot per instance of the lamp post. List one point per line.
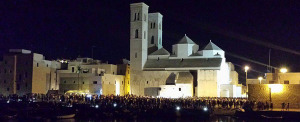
(93, 51)
(260, 78)
(246, 70)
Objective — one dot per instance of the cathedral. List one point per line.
(186, 71)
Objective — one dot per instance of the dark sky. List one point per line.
(66, 29)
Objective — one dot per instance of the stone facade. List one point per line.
(283, 78)
(23, 72)
(93, 77)
(280, 93)
(154, 68)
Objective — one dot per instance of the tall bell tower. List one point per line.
(138, 35)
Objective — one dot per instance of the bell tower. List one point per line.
(138, 35)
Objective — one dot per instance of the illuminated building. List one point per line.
(22, 72)
(89, 76)
(186, 71)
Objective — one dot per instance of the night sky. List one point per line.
(68, 29)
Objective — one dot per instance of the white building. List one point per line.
(85, 75)
(23, 72)
(186, 71)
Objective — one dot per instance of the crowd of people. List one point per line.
(142, 102)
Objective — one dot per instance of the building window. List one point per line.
(37, 64)
(74, 81)
(128, 82)
(7, 89)
(10, 71)
(135, 55)
(65, 81)
(179, 89)
(94, 82)
(82, 82)
(136, 33)
(122, 82)
(152, 40)
(286, 82)
(153, 25)
(138, 16)
(115, 82)
(134, 16)
(73, 69)
(147, 82)
(113, 73)
(47, 65)
(157, 58)
(145, 18)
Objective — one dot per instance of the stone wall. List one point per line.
(288, 93)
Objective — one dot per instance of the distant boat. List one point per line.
(68, 116)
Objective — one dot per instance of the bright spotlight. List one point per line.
(247, 68)
(115, 104)
(205, 109)
(7, 101)
(96, 106)
(276, 88)
(177, 108)
(283, 70)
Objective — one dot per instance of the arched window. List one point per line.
(152, 40)
(136, 33)
(134, 16)
(157, 58)
(138, 17)
(153, 25)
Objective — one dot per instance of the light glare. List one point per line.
(276, 88)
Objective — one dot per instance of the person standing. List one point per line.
(271, 106)
(288, 107)
(282, 106)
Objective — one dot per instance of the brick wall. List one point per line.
(285, 93)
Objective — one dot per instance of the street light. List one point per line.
(260, 78)
(246, 70)
(283, 70)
